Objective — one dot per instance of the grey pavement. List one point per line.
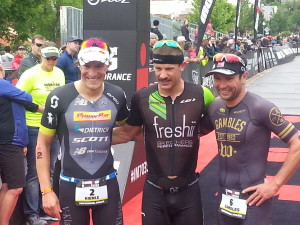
(280, 85)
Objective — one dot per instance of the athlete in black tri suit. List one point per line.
(83, 114)
(170, 113)
(243, 123)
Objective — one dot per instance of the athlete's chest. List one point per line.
(91, 117)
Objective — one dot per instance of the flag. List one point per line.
(205, 12)
(257, 5)
(237, 20)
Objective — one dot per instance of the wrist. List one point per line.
(47, 190)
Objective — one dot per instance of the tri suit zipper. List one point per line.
(172, 151)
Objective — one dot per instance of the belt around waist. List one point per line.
(74, 180)
(172, 190)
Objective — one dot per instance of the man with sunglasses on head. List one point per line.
(171, 114)
(243, 123)
(34, 57)
(83, 113)
(39, 81)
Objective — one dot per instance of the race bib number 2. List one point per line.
(91, 192)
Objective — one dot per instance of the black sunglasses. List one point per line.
(39, 45)
(52, 58)
(22, 49)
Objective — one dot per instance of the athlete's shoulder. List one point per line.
(114, 92)
(256, 103)
(64, 90)
(146, 91)
(217, 105)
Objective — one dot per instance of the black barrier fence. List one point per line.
(257, 61)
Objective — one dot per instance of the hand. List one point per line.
(25, 151)
(262, 192)
(41, 109)
(2, 71)
(51, 205)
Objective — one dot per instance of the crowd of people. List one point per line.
(64, 94)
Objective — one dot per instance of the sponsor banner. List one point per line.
(124, 25)
(137, 172)
(109, 15)
(205, 12)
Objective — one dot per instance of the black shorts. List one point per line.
(182, 208)
(12, 167)
(108, 214)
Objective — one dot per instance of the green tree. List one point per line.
(246, 17)
(222, 18)
(28, 17)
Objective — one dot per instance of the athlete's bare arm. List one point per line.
(50, 200)
(125, 133)
(264, 191)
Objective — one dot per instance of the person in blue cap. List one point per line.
(67, 61)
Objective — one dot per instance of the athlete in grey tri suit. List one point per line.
(83, 114)
(243, 123)
(171, 114)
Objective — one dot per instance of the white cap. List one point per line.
(181, 39)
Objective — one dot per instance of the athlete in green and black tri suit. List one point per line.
(83, 114)
(171, 114)
(243, 123)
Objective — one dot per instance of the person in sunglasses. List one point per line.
(34, 57)
(243, 122)
(39, 81)
(83, 113)
(171, 114)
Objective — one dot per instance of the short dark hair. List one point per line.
(38, 36)
(7, 49)
(155, 22)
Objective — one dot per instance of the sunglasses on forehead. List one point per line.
(168, 43)
(229, 58)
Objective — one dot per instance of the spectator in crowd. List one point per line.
(34, 57)
(67, 61)
(223, 43)
(152, 41)
(155, 29)
(208, 49)
(18, 57)
(213, 45)
(190, 53)
(181, 41)
(13, 141)
(265, 42)
(185, 30)
(231, 44)
(39, 81)
(176, 29)
(7, 58)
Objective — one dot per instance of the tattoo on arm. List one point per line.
(39, 154)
